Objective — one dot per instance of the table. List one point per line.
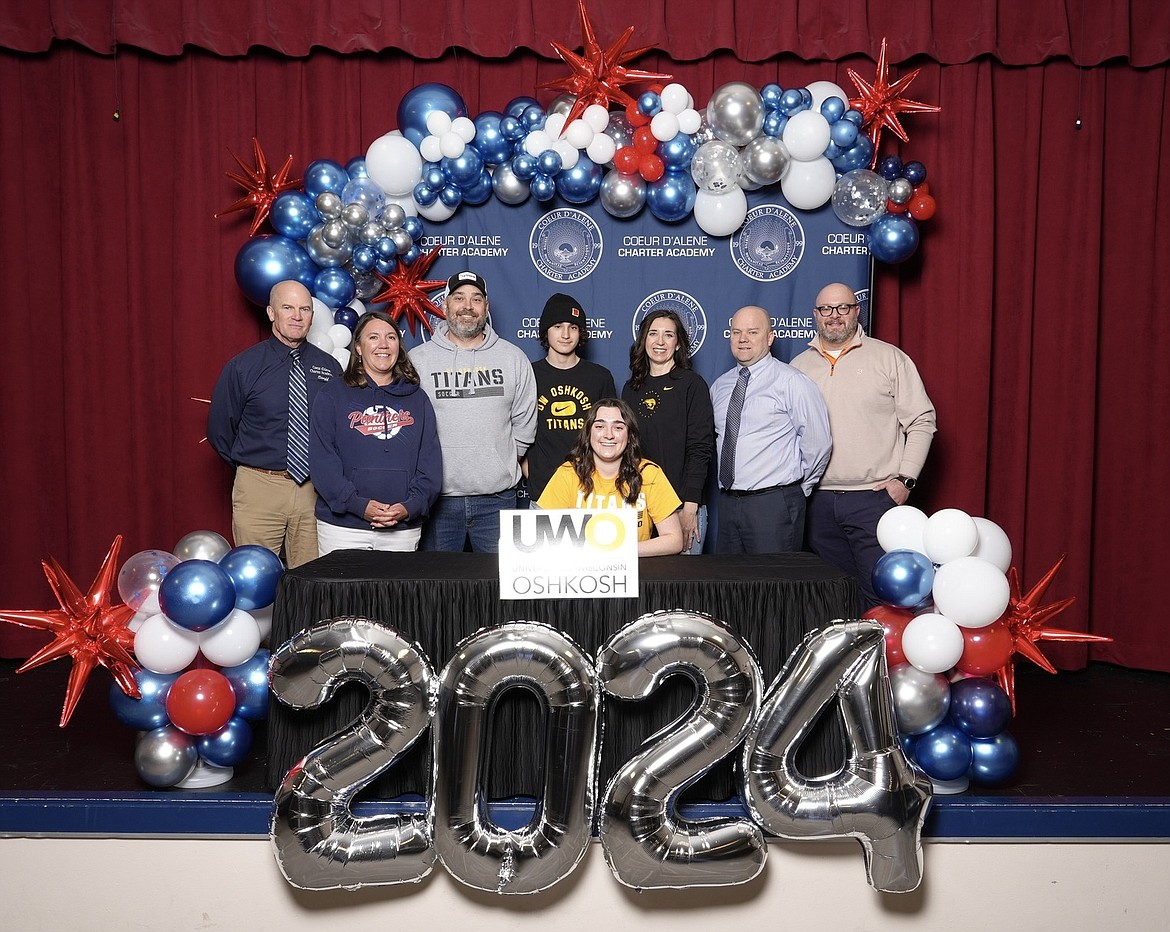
(438, 599)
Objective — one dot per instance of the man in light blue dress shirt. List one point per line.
(773, 443)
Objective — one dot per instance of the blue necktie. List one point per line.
(298, 420)
(731, 431)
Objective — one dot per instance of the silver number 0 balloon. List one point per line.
(319, 844)
(877, 797)
(647, 845)
(474, 849)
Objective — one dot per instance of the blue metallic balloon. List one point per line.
(424, 194)
(844, 133)
(412, 227)
(249, 681)
(451, 195)
(363, 257)
(856, 156)
(228, 746)
(386, 265)
(325, 175)
(671, 197)
(979, 707)
(943, 752)
(356, 167)
(517, 106)
(385, 248)
(420, 102)
(255, 570)
(293, 214)
(524, 166)
(995, 759)
(433, 176)
(264, 261)
(580, 184)
(649, 104)
(197, 594)
(903, 578)
(533, 117)
(771, 95)
(549, 162)
(489, 140)
(542, 186)
(832, 109)
(465, 169)
(893, 238)
(150, 711)
(914, 172)
(677, 152)
(412, 255)
(774, 123)
(791, 101)
(347, 317)
(334, 287)
(480, 190)
(890, 167)
(512, 129)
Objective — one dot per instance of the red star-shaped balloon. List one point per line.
(406, 290)
(599, 74)
(87, 627)
(881, 102)
(1026, 619)
(263, 188)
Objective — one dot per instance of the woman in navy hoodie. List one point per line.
(373, 447)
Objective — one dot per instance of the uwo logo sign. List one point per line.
(569, 554)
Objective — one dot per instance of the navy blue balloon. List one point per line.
(771, 94)
(267, 260)
(979, 707)
(412, 255)
(890, 167)
(492, 144)
(325, 175)
(893, 238)
(255, 570)
(424, 194)
(480, 190)
(853, 116)
(832, 150)
(334, 287)
(363, 257)
(995, 759)
(386, 265)
(903, 578)
(385, 248)
(524, 166)
(228, 746)
(549, 162)
(542, 186)
(420, 102)
(856, 156)
(465, 169)
(249, 681)
(517, 106)
(677, 152)
(149, 712)
(671, 197)
(512, 129)
(293, 214)
(581, 183)
(451, 195)
(533, 117)
(347, 317)
(412, 227)
(914, 172)
(434, 176)
(944, 752)
(197, 594)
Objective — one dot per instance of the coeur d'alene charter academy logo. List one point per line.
(769, 245)
(565, 245)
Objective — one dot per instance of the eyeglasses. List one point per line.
(830, 310)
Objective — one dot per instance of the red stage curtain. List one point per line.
(1031, 308)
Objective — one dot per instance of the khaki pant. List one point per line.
(274, 512)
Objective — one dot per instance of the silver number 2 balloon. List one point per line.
(877, 797)
(475, 850)
(647, 845)
(319, 844)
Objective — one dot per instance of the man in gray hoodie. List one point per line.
(484, 395)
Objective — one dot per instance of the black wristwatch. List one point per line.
(908, 481)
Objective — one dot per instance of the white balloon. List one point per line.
(689, 121)
(579, 134)
(601, 150)
(932, 643)
(554, 125)
(948, 535)
(674, 98)
(263, 618)
(438, 122)
(596, 116)
(723, 213)
(463, 128)
(537, 141)
(436, 212)
(451, 144)
(163, 647)
(664, 126)
(358, 306)
(150, 605)
(341, 355)
(394, 164)
(901, 527)
(430, 149)
(232, 641)
(822, 91)
(808, 185)
(971, 592)
(806, 135)
(340, 335)
(321, 339)
(568, 153)
(994, 545)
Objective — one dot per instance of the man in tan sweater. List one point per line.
(882, 423)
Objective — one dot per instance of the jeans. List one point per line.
(456, 518)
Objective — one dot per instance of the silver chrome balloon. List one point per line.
(202, 545)
(165, 756)
(476, 851)
(319, 844)
(735, 113)
(646, 843)
(878, 797)
(328, 205)
(508, 187)
(622, 195)
(921, 700)
(765, 160)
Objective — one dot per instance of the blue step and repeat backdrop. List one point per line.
(620, 270)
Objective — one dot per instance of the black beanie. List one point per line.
(562, 309)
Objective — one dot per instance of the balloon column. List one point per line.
(655, 151)
(201, 615)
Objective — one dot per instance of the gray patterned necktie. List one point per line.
(731, 432)
(298, 420)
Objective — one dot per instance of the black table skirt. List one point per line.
(438, 599)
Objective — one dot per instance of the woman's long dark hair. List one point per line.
(629, 478)
(355, 372)
(640, 362)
